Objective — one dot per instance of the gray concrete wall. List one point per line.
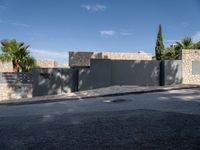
(172, 72)
(103, 73)
(135, 72)
(54, 81)
(97, 76)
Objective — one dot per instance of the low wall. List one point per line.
(172, 72)
(15, 91)
(190, 66)
(135, 72)
(103, 73)
(54, 81)
(97, 76)
(15, 85)
(82, 59)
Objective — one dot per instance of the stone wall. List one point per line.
(6, 67)
(42, 63)
(188, 57)
(126, 56)
(46, 63)
(15, 91)
(81, 59)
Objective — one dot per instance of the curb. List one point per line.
(90, 97)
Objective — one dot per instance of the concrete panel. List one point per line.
(84, 78)
(46, 82)
(54, 81)
(195, 67)
(97, 76)
(172, 72)
(69, 80)
(129, 72)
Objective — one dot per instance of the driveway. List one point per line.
(166, 120)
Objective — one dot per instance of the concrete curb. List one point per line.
(39, 101)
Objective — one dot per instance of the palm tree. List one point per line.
(186, 43)
(27, 63)
(18, 53)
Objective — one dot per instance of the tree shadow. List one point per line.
(54, 81)
(173, 72)
(106, 72)
(101, 73)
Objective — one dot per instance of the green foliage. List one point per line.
(186, 43)
(159, 44)
(197, 45)
(174, 52)
(18, 53)
(169, 53)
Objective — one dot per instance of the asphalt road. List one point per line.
(168, 120)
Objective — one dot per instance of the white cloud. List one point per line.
(95, 8)
(19, 24)
(107, 32)
(14, 23)
(125, 33)
(61, 57)
(171, 41)
(49, 53)
(196, 37)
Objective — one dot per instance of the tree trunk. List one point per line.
(15, 65)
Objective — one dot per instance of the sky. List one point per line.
(52, 28)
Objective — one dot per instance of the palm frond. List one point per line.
(13, 50)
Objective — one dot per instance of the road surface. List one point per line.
(166, 120)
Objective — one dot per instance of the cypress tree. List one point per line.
(159, 44)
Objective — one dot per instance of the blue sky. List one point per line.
(54, 27)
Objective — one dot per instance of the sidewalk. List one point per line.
(101, 92)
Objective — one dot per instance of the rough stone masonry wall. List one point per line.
(80, 59)
(6, 67)
(42, 63)
(188, 56)
(46, 63)
(15, 91)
